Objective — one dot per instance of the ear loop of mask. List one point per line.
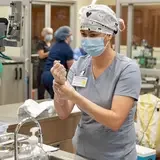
(106, 44)
(93, 2)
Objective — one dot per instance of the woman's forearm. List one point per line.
(63, 107)
(43, 55)
(104, 116)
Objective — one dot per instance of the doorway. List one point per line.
(38, 23)
(60, 16)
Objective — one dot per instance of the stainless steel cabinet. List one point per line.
(12, 83)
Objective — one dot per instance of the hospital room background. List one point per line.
(18, 80)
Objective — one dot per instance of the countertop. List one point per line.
(65, 155)
(8, 114)
(15, 60)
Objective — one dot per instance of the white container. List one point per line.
(145, 153)
(37, 151)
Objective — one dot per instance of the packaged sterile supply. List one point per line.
(34, 109)
(3, 128)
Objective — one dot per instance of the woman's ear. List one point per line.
(109, 37)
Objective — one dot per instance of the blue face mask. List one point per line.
(71, 38)
(48, 37)
(93, 46)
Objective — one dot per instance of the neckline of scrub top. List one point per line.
(106, 69)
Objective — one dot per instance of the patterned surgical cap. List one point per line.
(99, 18)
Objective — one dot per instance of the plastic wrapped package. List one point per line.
(3, 128)
(148, 121)
(33, 109)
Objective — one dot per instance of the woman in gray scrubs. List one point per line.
(106, 87)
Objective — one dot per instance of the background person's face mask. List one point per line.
(71, 38)
(48, 37)
(93, 46)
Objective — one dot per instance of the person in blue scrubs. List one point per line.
(105, 85)
(60, 51)
(78, 52)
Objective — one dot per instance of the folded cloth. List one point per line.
(33, 109)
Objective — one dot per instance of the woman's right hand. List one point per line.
(59, 73)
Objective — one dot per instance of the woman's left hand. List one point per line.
(65, 91)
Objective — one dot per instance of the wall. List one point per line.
(4, 11)
(107, 2)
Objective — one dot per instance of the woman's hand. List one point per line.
(59, 73)
(64, 92)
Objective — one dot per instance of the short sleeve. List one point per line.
(40, 46)
(72, 72)
(129, 83)
(69, 55)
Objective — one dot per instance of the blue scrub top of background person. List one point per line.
(78, 52)
(60, 51)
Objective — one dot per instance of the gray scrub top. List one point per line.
(93, 140)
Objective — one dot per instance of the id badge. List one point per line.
(79, 81)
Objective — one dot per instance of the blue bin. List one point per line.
(145, 153)
(147, 158)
